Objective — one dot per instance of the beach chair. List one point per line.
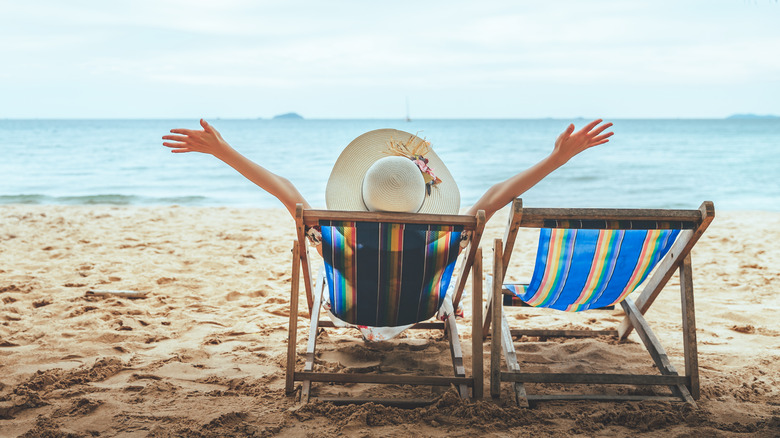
(591, 259)
(386, 270)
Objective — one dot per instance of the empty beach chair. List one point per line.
(591, 259)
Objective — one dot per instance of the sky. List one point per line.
(360, 59)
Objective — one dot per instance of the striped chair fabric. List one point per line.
(581, 269)
(387, 274)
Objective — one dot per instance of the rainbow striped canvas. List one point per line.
(386, 274)
(587, 269)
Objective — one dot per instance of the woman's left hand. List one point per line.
(571, 143)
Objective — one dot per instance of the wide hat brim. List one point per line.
(344, 189)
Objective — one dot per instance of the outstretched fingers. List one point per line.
(601, 129)
(599, 139)
(178, 144)
(587, 128)
(192, 140)
(566, 133)
(183, 140)
(176, 140)
(206, 127)
(179, 138)
(593, 133)
(182, 131)
(178, 147)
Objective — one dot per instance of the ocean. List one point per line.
(647, 163)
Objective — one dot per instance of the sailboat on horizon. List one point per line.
(408, 119)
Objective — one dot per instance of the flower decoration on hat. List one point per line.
(415, 149)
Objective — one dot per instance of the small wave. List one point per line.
(585, 178)
(106, 199)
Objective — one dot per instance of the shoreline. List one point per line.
(281, 208)
(204, 352)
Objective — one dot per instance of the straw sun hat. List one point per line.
(386, 170)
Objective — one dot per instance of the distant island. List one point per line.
(289, 116)
(752, 116)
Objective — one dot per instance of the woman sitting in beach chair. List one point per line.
(392, 171)
(387, 170)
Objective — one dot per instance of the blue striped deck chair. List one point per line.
(593, 259)
(386, 270)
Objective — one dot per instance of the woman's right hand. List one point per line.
(207, 141)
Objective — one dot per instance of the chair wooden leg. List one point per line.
(510, 233)
(495, 341)
(512, 364)
(293, 326)
(487, 317)
(313, 328)
(654, 347)
(501, 338)
(689, 327)
(457, 355)
(476, 327)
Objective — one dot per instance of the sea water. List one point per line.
(647, 163)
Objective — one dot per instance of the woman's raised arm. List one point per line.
(209, 141)
(568, 144)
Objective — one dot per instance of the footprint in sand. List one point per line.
(41, 303)
(71, 357)
(233, 296)
(81, 311)
(354, 358)
(278, 310)
(747, 329)
(165, 280)
(258, 293)
(528, 347)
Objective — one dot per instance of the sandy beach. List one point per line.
(203, 353)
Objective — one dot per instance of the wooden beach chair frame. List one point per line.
(471, 260)
(692, 224)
